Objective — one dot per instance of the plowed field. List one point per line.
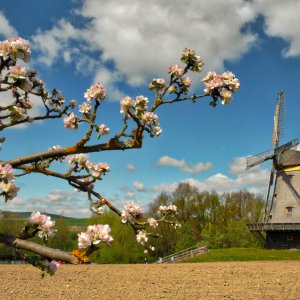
(230, 280)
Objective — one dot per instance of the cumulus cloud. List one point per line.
(139, 186)
(140, 39)
(6, 29)
(281, 19)
(183, 166)
(131, 167)
(255, 180)
(56, 202)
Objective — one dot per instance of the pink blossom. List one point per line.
(226, 96)
(6, 172)
(71, 121)
(175, 70)
(189, 57)
(141, 237)
(103, 130)
(157, 84)
(73, 103)
(186, 81)
(96, 91)
(53, 266)
(95, 234)
(131, 211)
(43, 223)
(156, 131)
(15, 48)
(84, 240)
(149, 118)
(152, 222)
(167, 209)
(9, 190)
(79, 159)
(85, 108)
(17, 72)
(126, 103)
(140, 105)
(97, 170)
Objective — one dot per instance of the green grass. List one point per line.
(245, 254)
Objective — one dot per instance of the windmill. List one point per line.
(281, 218)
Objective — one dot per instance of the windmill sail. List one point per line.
(279, 119)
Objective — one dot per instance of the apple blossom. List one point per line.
(84, 240)
(126, 103)
(152, 222)
(141, 237)
(85, 108)
(53, 266)
(140, 105)
(17, 72)
(9, 190)
(103, 130)
(43, 223)
(194, 61)
(96, 91)
(15, 48)
(78, 159)
(175, 70)
(157, 84)
(95, 234)
(149, 118)
(71, 121)
(156, 131)
(97, 170)
(6, 172)
(73, 103)
(131, 211)
(226, 96)
(167, 209)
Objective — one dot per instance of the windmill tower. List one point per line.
(281, 218)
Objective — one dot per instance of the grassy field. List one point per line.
(245, 254)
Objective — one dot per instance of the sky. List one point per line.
(124, 45)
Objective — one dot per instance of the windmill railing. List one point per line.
(184, 254)
(273, 226)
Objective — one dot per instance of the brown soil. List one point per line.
(230, 280)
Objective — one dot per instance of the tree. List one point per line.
(140, 118)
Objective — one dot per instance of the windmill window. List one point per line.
(289, 210)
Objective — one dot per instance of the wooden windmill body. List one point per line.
(281, 219)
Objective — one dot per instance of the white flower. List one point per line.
(141, 237)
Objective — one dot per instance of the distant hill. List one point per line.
(24, 215)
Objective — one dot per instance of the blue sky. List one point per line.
(124, 44)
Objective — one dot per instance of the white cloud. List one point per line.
(56, 202)
(142, 38)
(282, 20)
(183, 166)
(131, 167)
(6, 29)
(139, 186)
(255, 180)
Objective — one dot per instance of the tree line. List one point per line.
(206, 218)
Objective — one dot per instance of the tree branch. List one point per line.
(56, 254)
